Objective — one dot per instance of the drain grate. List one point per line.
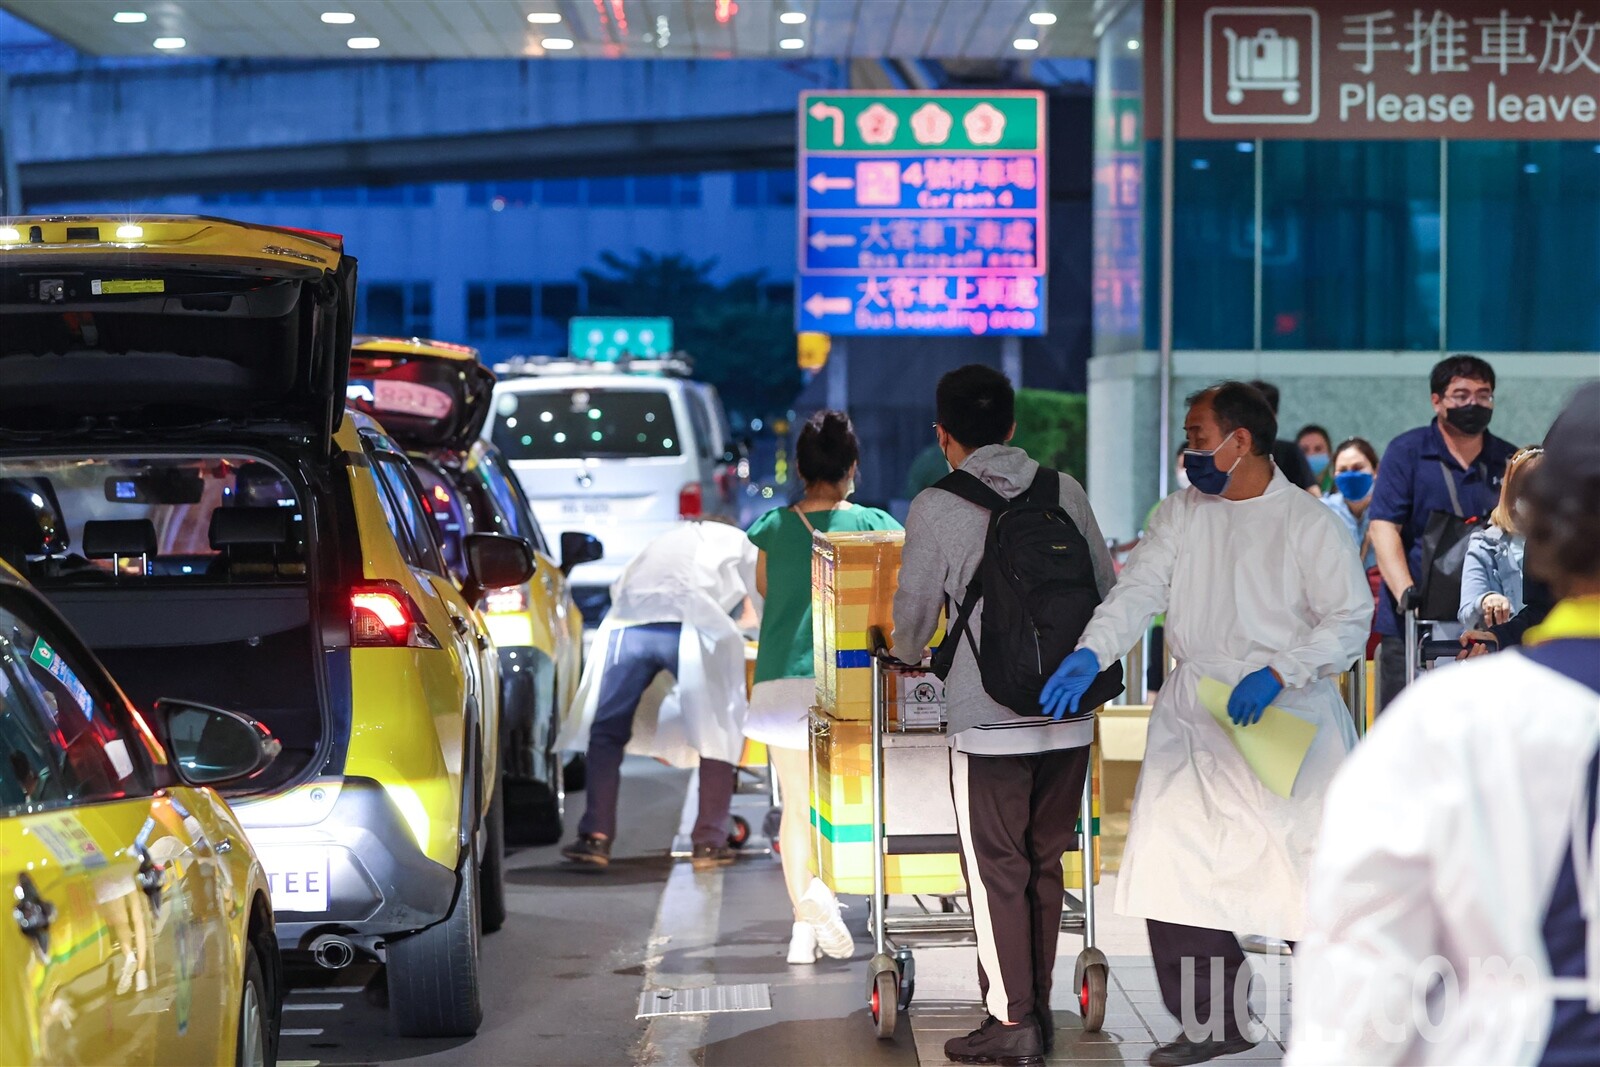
(705, 1000)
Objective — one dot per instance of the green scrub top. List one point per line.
(785, 648)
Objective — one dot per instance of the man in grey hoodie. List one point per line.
(1017, 780)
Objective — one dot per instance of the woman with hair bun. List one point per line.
(827, 457)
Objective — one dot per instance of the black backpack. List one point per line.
(1036, 580)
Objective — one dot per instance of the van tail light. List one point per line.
(511, 600)
(383, 615)
(691, 501)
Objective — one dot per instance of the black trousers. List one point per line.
(1016, 815)
(1172, 944)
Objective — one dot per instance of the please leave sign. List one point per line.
(1336, 69)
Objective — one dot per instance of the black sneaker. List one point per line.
(594, 851)
(710, 857)
(1181, 1052)
(995, 1042)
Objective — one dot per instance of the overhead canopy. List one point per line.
(501, 29)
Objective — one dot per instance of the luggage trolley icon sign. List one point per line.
(1268, 59)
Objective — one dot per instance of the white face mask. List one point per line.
(1183, 478)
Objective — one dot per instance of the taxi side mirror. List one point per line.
(212, 746)
(578, 549)
(496, 561)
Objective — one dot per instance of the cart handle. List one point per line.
(880, 647)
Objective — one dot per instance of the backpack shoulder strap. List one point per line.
(971, 489)
(1046, 488)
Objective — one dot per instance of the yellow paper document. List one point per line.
(1274, 748)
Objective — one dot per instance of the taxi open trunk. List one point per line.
(169, 393)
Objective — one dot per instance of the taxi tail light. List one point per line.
(508, 601)
(383, 615)
(691, 501)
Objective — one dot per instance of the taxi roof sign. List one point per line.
(607, 340)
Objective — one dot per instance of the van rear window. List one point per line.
(586, 423)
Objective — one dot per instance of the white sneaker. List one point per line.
(803, 944)
(820, 908)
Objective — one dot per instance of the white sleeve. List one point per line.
(1142, 589)
(1337, 596)
(1371, 907)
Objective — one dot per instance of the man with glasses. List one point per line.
(1453, 464)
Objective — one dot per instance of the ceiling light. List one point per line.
(168, 44)
(338, 18)
(557, 44)
(129, 232)
(129, 18)
(792, 18)
(363, 42)
(791, 43)
(1042, 18)
(1025, 44)
(9, 234)
(543, 18)
(1133, 44)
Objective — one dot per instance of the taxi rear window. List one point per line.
(72, 520)
(586, 424)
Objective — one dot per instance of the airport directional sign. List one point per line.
(922, 213)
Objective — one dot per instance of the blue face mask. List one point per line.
(1318, 462)
(1203, 472)
(1354, 485)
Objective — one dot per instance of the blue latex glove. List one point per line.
(1066, 687)
(1252, 695)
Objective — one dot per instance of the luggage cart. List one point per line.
(1422, 652)
(892, 975)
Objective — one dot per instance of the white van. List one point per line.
(620, 450)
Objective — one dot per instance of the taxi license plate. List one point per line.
(298, 877)
(586, 508)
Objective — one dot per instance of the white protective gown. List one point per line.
(696, 574)
(1443, 838)
(1269, 582)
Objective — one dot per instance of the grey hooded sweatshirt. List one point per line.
(944, 544)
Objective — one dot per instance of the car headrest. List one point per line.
(30, 517)
(249, 526)
(109, 538)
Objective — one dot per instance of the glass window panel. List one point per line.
(344, 194)
(513, 310)
(608, 192)
(1350, 245)
(654, 190)
(420, 195)
(747, 188)
(688, 186)
(1524, 246)
(781, 187)
(1213, 246)
(384, 309)
(386, 194)
(478, 194)
(561, 191)
(477, 311)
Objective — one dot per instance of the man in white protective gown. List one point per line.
(1263, 592)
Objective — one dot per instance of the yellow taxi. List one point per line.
(179, 477)
(141, 924)
(434, 397)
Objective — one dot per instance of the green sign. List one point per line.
(922, 122)
(608, 340)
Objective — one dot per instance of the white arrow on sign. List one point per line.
(821, 183)
(823, 112)
(820, 305)
(824, 241)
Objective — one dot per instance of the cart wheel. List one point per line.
(1092, 998)
(772, 823)
(885, 1003)
(908, 979)
(741, 832)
